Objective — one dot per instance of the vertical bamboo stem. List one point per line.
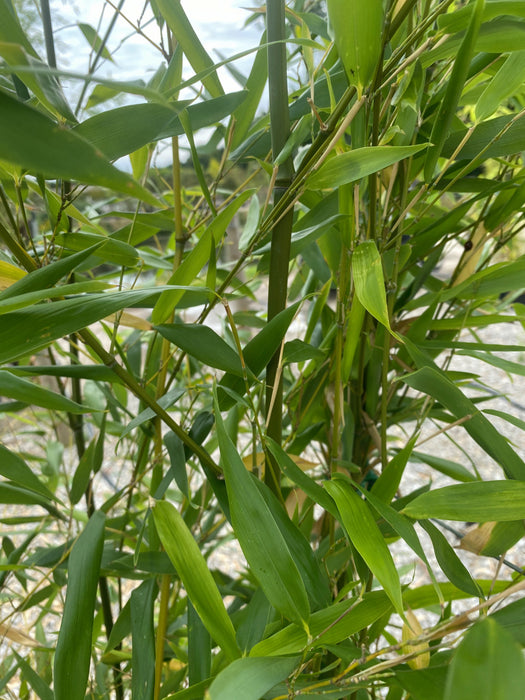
(282, 231)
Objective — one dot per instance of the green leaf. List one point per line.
(191, 566)
(109, 249)
(445, 466)
(244, 114)
(46, 276)
(363, 532)
(42, 146)
(403, 527)
(388, 482)
(143, 640)
(434, 383)
(448, 105)
(360, 162)
(21, 389)
(199, 648)
(259, 536)
(369, 281)
(480, 502)
(257, 353)
(357, 28)
(34, 679)
(329, 626)
(14, 468)
(27, 330)
(507, 81)
(298, 476)
(94, 41)
(193, 263)
(194, 51)
(204, 344)
(121, 131)
(45, 86)
(251, 678)
(312, 572)
(487, 665)
(73, 649)
(449, 561)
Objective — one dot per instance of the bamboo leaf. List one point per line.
(27, 330)
(204, 344)
(360, 162)
(94, 41)
(257, 353)
(244, 114)
(191, 566)
(357, 28)
(193, 263)
(121, 131)
(487, 665)
(478, 502)
(46, 276)
(367, 270)
(14, 468)
(388, 482)
(434, 383)
(362, 531)
(261, 540)
(449, 561)
(448, 105)
(508, 80)
(329, 626)
(42, 146)
(23, 390)
(403, 527)
(73, 650)
(45, 86)
(143, 640)
(251, 678)
(194, 51)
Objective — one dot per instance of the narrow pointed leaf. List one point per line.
(191, 566)
(448, 560)
(251, 678)
(363, 532)
(353, 165)
(434, 383)
(261, 540)
(193, 263)
(369, 281)
(23, 390)
(329, 626)
(204, 344)
(143, 640)
(73, 650)
(357, 28)
(448, 105)
(14, 468)
(42, 146)
(479, 502)
(508, 80)
(194, 51)
(487, 665)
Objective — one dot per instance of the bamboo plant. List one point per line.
(253, 349)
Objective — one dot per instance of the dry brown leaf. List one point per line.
(477, 539)
(17, 636)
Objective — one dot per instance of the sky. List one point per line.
(218, 23)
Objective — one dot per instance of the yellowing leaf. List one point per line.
(9, 274)
(130, 321)
(411, 629)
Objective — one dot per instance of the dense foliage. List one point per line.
(244, 355)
